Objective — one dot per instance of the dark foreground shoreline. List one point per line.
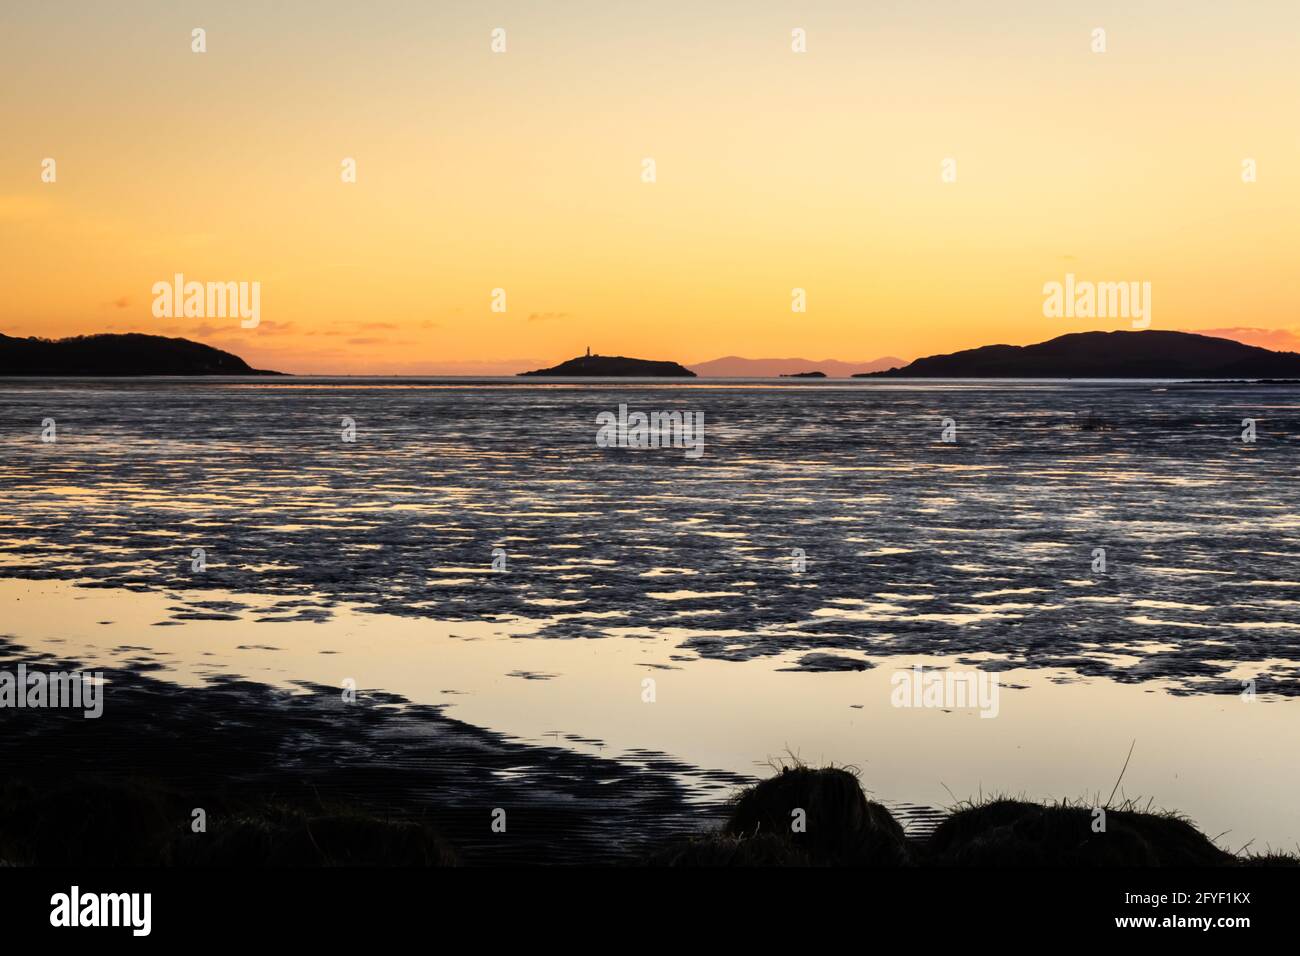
(307, 779)
(398, 782)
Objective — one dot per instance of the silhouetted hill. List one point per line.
(1147, 354)
(600, 366)
(131, 354)
(733, 366)
(805, 375)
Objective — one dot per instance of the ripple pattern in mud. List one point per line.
(984, 548)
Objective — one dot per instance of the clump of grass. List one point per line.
(1002, 831)
(839, 825)
(1269, 858)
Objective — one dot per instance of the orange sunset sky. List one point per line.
(523, 171)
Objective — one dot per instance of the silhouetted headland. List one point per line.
(1147, 354)
(133, 353)
(614, 366)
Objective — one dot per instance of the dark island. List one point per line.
(118, 355)
(614, 366)
(1147, 354)
(805, 375)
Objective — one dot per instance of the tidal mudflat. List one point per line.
(477, 553)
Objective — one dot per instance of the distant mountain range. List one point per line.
(1147, 354)
(733, 366)
(130, 354)
(614, 366)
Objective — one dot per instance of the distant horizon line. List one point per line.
(760, 368)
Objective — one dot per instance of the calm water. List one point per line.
(373, 559)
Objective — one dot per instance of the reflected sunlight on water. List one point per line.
(978, 553)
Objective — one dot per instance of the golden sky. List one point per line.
(522, 171)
